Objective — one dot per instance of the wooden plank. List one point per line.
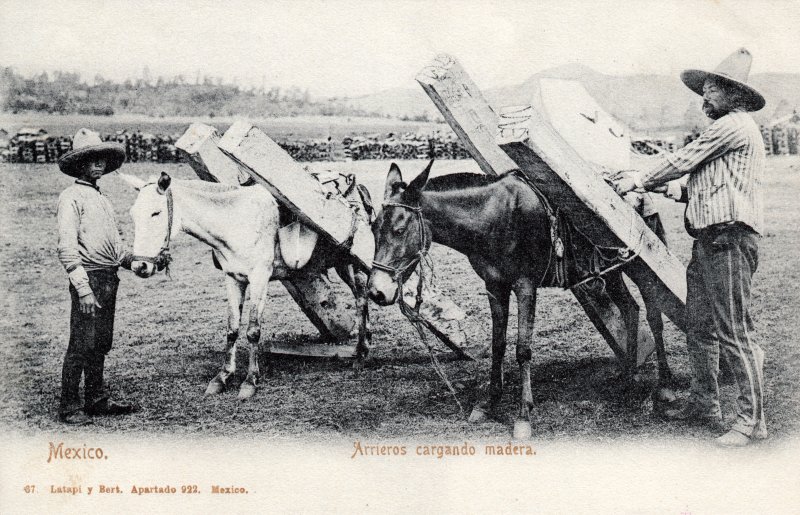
(603, 216)
(466, 111)
(313, 350)
(199, 144)
(474, 121)
(291, 184)
(583, 123)
(607, 318)
(334, 318)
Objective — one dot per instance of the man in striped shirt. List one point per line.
(724, 214)
(91, 250)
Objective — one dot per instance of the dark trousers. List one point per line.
(90, 339)
(717, 308)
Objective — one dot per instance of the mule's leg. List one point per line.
(498, 303)
(358, 281)
(525, 292)
(259, 281)
(663, 395)
(364, 329)
(619, 293)
(235, 291)
(656, 323)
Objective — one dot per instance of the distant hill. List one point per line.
(395, 102)
(645, 102)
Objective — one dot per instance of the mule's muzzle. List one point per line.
(383, 290)
(143, 268)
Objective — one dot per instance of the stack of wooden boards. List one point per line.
(247, 152)
(524, 139)
(314, 293)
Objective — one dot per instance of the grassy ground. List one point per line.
(170, 333)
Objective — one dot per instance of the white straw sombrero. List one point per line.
(87, 145)
(734, 69)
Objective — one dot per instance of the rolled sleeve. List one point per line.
(80, 280)
(676, 191)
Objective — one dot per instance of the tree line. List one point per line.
(68, 92)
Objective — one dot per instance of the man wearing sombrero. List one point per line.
(91, 250)
(725, 215)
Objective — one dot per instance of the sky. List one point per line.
(350, 48)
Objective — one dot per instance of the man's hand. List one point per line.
(162, 260)
(623, 184)
(660, 189)
(88, 304)
(622, 181)
(126, 261)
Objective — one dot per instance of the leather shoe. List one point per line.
(76, 418)
(733, 438)
(111, 407)
(693, 414)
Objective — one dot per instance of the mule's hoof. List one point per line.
(358, 367)
(522, 430)
(246, 391)
(477, 416)
(215, 387)
(664, 396)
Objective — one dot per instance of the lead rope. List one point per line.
(167, 257)
(416, 320)
(412, 314)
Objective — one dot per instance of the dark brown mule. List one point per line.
(503, 228)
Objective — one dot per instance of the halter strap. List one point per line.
(397, 272)
(163, 253)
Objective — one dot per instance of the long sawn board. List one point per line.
(273, 168)
(573, 184)
(334, 318)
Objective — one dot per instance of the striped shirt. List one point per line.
(88, 235)
(726, 166)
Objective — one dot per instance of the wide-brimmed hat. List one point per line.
(87, 145)
(734, 69)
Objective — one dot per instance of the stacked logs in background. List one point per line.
(36, 146)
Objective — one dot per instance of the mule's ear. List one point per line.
(164, 182)
(419, 182)
(134, 181)
(393, 179)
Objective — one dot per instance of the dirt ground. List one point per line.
(169, 339)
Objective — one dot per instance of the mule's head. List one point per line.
(401, 238)
(151, 223)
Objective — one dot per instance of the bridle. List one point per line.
(163, 258)
(399, 273)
